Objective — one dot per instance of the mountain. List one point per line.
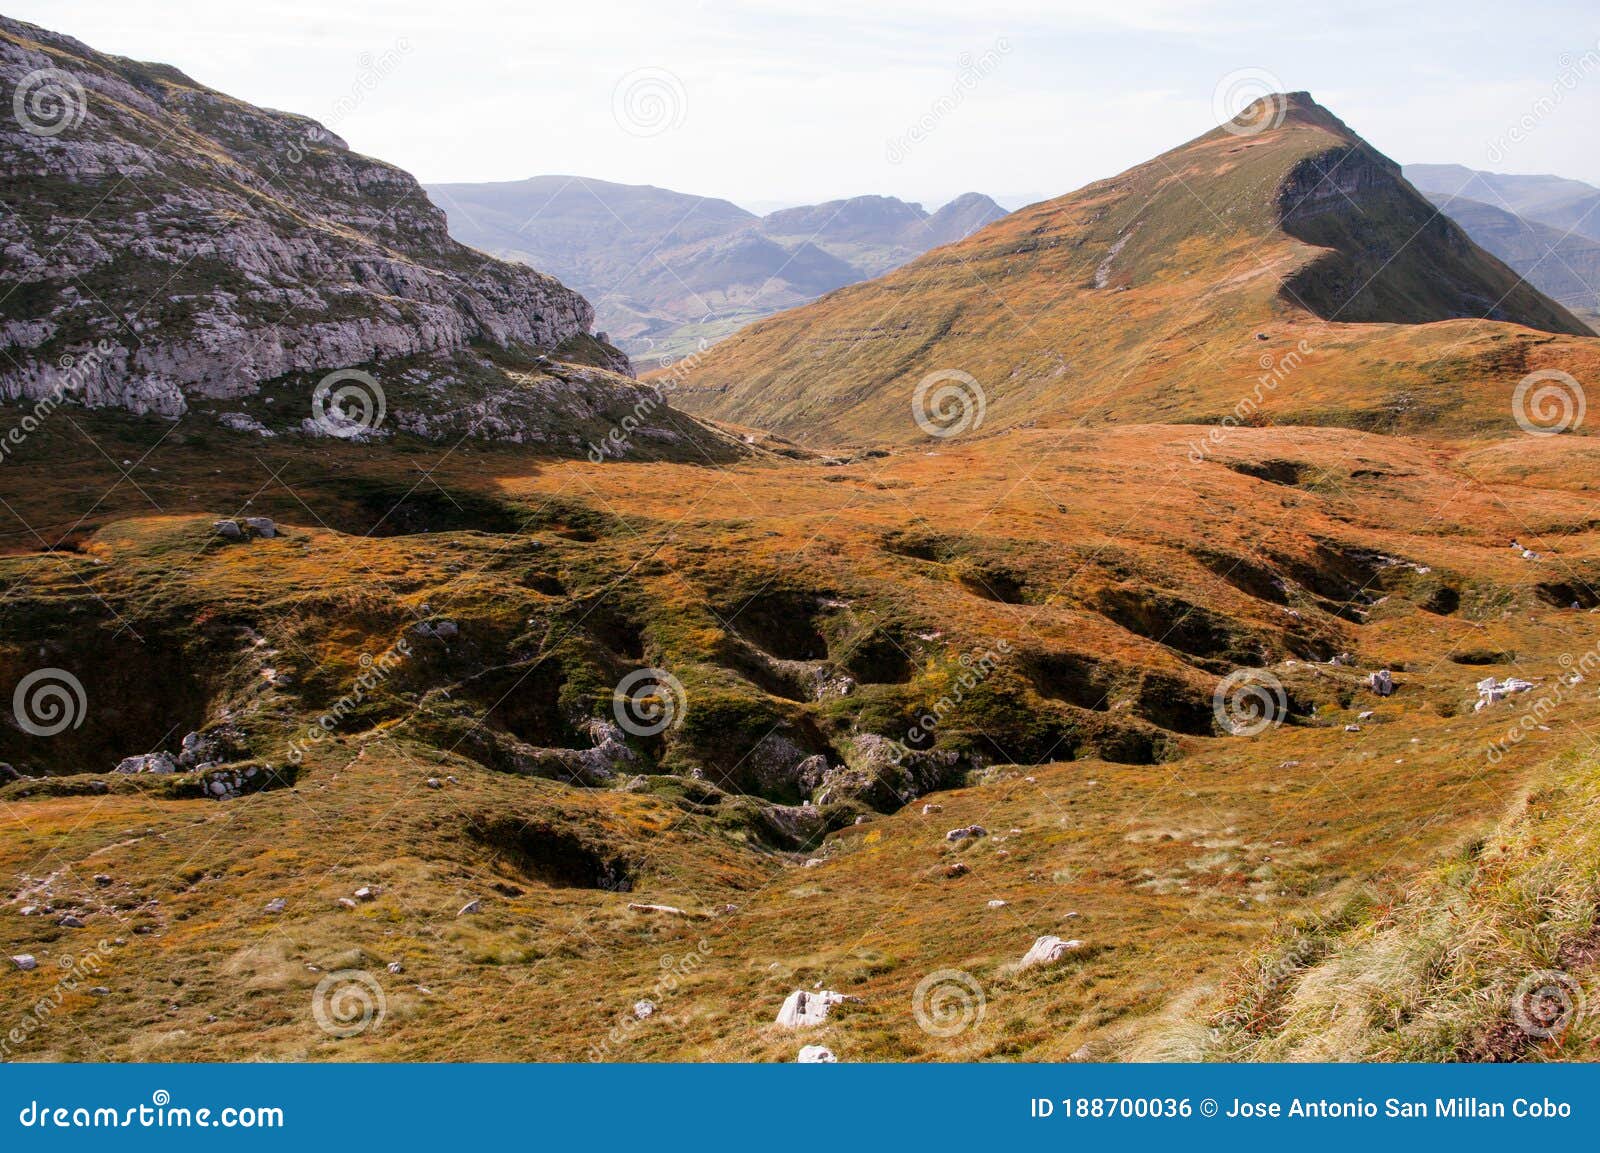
(182, 250)
(1161, 295)
(1564, 266)
(670, 272)
(1569, 205)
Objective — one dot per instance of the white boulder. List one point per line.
(802, 1009)
(1047, 951)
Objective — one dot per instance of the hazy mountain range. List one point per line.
(1545, 227)
(667, 270)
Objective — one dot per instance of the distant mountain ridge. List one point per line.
(1547, 228)
(1570, 205)
(667, 270)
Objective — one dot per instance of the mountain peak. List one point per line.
(1142, 297)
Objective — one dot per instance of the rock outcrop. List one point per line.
(169, 248)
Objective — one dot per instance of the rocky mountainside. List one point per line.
(1564, 266)
(1569, 205)
(179, 249)
(669, 272)
(1220, 275)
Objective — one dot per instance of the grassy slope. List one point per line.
(1059, 325)
(1173, 867)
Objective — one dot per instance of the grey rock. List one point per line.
(228, 529)
(25, 962)
(472, 906)
(262, 526)
(275, 906)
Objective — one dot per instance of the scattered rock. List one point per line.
(228, 530)
(434, 783)
(643, 1009)
(1381, 682)
(146, 763)
(347, 902)
(957, 869)
(667, 910)
(70, 922)
(816, 1055)
(802, 1009)
(25, 962)
(969, 831)
(367, 893)
(100, 991)
(813, 862)
(275, 906)
(102, 879)
(1492, 692)
(997, 904)
(262, 526)
(1352, 728)
(473, 906)
(931, 808)
(440, 630)
(1047, 951)
(1366, 716)
(396, 967)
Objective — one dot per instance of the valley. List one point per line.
(1161, 623)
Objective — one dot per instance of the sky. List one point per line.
(770, 103)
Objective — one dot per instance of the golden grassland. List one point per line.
(1170, 851)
